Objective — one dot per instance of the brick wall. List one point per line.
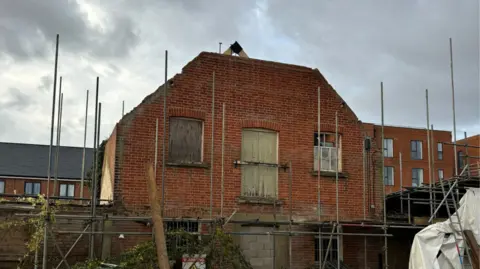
(17, 186)
(474, 153)
(257, 94)
(401, 143)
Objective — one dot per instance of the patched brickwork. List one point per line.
(257, 94)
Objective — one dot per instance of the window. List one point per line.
(440, 174)
(460, 160)
(176, 241)
(67, 190)
(388, 147)
(2, 186)
(328, 152)
(185, 140)
(440, 151)
(259, 163)
(333, 251)
(417, 177)
(32, 188)
(388, 172)
(416, 149)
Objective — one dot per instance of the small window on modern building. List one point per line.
(416, 149)
(460, 160)
(67, 190)
(388, 174)
(440, 151)
(417, 177)
(388, 147)
(32, 188)
(185, 140)
(2, 186)
(332, 252)
(328, 152)
(440, 174)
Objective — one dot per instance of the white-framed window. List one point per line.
(440, 174)
(2, 186)
(67, 190)
(32, 188)
(332, 251)
(259, 163)
(416, 149)
(417, 177)
(388, 147)
(185, 140)
(440, 151)
(388, 175)
(330, 156)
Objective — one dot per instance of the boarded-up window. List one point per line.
(186, 139)
(259, 171)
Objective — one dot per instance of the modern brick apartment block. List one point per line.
(412, 144)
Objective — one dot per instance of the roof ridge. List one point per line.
(42, 145)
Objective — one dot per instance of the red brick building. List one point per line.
(469, 154)
(412, 144)
(269, 143)
(23, 170)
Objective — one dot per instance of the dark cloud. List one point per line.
(357, 44)
(28, 29)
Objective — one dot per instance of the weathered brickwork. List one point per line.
(256, 94)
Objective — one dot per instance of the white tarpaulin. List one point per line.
(439, 237)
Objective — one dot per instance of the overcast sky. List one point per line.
(355, 44)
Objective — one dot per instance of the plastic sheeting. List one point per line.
(434, 246)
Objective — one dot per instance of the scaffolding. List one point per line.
(433, 189)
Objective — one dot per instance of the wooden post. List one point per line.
(157, 219)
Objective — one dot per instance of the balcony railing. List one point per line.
(329, 158)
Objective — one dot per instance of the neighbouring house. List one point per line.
(412, 168)
(468, 152)
(268, 154)
(24, 167)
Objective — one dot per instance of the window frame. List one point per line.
(68, 185)
(440, 151)
(325, 240)
(385, 175)
(337, 148)
(246, 163)
(443, 174)
(2, 189)
(417, 151)
(420, 178)
(385, 148)
(172, 241)
(170, 136)
(32, 188)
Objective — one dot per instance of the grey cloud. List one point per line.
(16, 100)
(28, 29)
(403, 43)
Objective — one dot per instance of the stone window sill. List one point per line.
(341, 175)
(189, 165)
(258, 200)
